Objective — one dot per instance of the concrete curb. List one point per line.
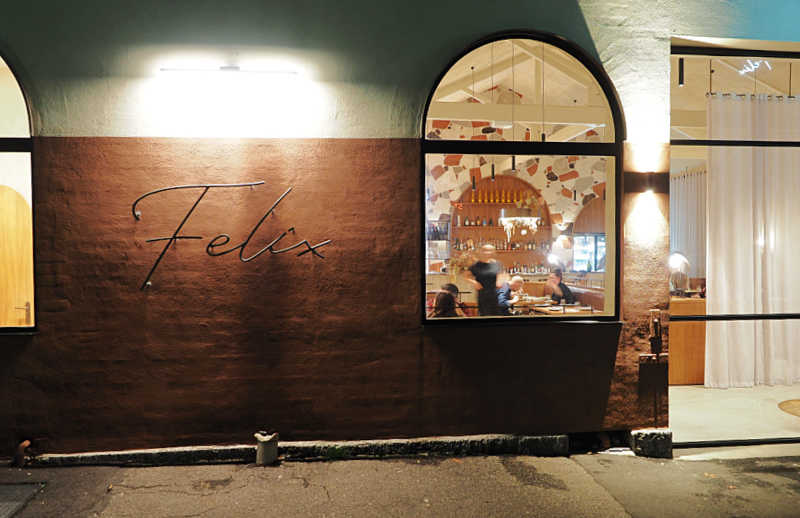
(537, 445)
(652, 442)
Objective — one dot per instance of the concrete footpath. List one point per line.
(759, 481)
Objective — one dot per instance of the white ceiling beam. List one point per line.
(523, 113)
(483, 98)
(466, 81)
(569, 132)
(689, 133)
(560, 64)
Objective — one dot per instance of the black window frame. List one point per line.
(473, 147)
(23, 145)
(683, 50)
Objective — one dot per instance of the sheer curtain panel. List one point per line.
(753, 240)
(687, 218)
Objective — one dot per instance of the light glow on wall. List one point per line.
(207, 96)
(646, 224)
(646, 157)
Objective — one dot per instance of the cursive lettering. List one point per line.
(223, 239)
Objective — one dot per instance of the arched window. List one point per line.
(16, 207)
(522, 139)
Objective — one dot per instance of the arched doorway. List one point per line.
(16, 206)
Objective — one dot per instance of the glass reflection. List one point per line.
(500, 229)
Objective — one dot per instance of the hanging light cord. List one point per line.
(543, 117)
(513, 92)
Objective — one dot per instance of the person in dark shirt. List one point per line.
(483, 276)
(561, 294)
(508, 294)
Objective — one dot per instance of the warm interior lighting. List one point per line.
(678, 274)
(646, 157)
(514, 218)
(646, 224)
(676, 260)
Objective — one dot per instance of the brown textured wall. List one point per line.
(322, 349)
(645, 285)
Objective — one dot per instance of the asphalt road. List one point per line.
(699, 483)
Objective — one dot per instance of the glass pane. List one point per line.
(16, 241)
(733, 220)
(725, 75)
(688, 102)
(13, 112)
(519, 90)
(584, 253)
(600, 257)
(517, 229)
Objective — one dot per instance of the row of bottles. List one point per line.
(437, 231)
(476, 221)
(497, 196)
(501, 245)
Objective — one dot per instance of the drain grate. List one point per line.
(13, 497)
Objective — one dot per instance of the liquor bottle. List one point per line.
(491, 222)
(483, 222)
(466, 221)
(472, 197)
(458, 220)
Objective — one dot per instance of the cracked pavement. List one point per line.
(581, 485)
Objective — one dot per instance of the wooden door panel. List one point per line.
(16, 259)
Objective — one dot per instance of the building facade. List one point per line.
(134, 348)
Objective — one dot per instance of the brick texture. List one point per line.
(314, 348)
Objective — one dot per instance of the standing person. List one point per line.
(508, 294)
(561, 294)
(483, 276)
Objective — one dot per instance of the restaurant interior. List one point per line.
(733, 239)
(536, 215)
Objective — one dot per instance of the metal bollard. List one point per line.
(267, 451)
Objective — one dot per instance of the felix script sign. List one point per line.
(221, 240)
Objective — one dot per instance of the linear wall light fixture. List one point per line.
(231, 69)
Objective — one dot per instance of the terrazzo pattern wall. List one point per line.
(566, 183)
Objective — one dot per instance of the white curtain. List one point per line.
(753, 240)
(687, 218)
